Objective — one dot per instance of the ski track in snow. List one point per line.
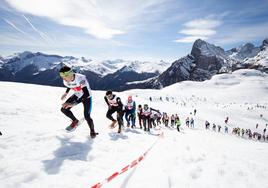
(36, 151)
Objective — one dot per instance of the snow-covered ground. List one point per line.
(35, 150)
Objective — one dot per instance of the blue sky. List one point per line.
(128, 29)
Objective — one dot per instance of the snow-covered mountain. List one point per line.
(260, 60)
(206, 60)
(2, 61)
(264, 44)
(35, 150)
(43, 62)
(243, 52)
(42, 69)
(110, 67)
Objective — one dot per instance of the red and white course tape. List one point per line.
(127, 167)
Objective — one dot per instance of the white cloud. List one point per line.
(196, 32)
(190, 39)
(203, 23)
(198, 29)
(102, 19)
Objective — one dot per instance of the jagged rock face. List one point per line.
(179, 71)
(207, 56)
(204, 61)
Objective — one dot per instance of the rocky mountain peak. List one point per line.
(264, 44)
(201, 47)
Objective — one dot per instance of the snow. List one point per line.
(35, 151)
(143, 81)
(210, 49)
(42, 61)
(260, 59)
(109, 67)
(243, 52)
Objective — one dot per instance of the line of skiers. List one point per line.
(239, 131)
(216, 127)
(82, 94)
(147, 117)
(255, 135)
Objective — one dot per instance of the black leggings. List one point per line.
(140, 120)
(87, 103)
(120, 114)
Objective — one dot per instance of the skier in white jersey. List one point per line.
(82, 93)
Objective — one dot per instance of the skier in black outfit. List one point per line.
(194, 112)
(219, 128)
(0, 133)
(140, 115)
(207, 124)
(82, 94)
(114, 105)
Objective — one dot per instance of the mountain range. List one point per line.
(204, 61)
(207, 60)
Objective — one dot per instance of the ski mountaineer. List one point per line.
(178, 124)
(114, 105)
(166, 119)
(159, 116)
(172, 120)
(130, 112)
(82, 93)
(139, 112)
(146, 112)
(226, 129)
(153, 119)
(207, 124)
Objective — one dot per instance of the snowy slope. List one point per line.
(35, 151)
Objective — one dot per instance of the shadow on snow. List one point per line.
(74, 151)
